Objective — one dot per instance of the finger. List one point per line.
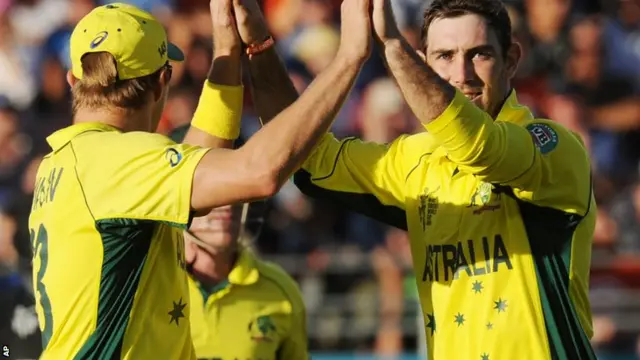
(365, 5)
(224, 13)
(226, 7)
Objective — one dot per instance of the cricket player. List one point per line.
(112, 198)
(244, 307)
(498, 203)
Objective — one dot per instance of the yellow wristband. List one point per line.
(219, 110)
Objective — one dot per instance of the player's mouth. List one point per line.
(473, 95)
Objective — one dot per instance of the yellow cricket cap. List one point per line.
(135, 38)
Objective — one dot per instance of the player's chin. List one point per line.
(190, 261)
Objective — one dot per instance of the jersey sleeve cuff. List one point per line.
(185, 210)
(453, 111)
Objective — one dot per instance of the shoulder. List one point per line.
(113, 146)
(282, 282)
(564, 168)
(140, 139)
(135, 149)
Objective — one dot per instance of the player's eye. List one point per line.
(445, 56)
(482, 55)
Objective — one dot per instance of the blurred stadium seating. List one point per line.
(582, 68)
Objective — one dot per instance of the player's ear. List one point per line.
(512, 60)
(71, 80)
(163, 81)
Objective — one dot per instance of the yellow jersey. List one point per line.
(256, 314)
(106, 228)
(500, 216)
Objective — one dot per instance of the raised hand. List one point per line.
(355, 36)
(384, 23)
(226, 40)
(250, 21)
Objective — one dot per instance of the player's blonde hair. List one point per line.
(101, 88)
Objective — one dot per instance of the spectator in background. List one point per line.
(16, 83)
(622, 36)
(19, 329)
(611, 105)
(336, 276)
(14, 146)
(625, 212)
(384, 116)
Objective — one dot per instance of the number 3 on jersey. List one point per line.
(39, 242)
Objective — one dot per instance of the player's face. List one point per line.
(465, 51)
(220, 228)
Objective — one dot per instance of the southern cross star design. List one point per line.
(501, 305)
(485, 356)
(459, 319)
(489, 326)
(477, 287)
(432, 323)
(177, 313)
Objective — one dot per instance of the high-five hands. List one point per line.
(226, 40)
(250, 21)
(355, 37)
(384, 23)
(241, 21)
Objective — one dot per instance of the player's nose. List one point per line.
(462, 72)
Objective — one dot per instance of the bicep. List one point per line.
(225, 176)
(543, 163)
(559, 171)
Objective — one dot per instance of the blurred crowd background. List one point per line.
(581, 68)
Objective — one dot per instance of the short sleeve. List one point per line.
(136, 175)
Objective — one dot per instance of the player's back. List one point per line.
(106, 232)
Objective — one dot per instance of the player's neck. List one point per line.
(119, 118)
(215, 268)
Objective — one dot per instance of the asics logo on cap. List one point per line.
(98, 39)
(162, 49)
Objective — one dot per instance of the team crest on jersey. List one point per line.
(262, 329)
(428, 207)
(544, 137)
(482, 197)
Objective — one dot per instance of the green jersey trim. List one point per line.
(550, 233)
(126, 244)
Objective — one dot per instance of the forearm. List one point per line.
(226, 68)
(288, 139)
(216, 121)
(426, 92)
(271, 86)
